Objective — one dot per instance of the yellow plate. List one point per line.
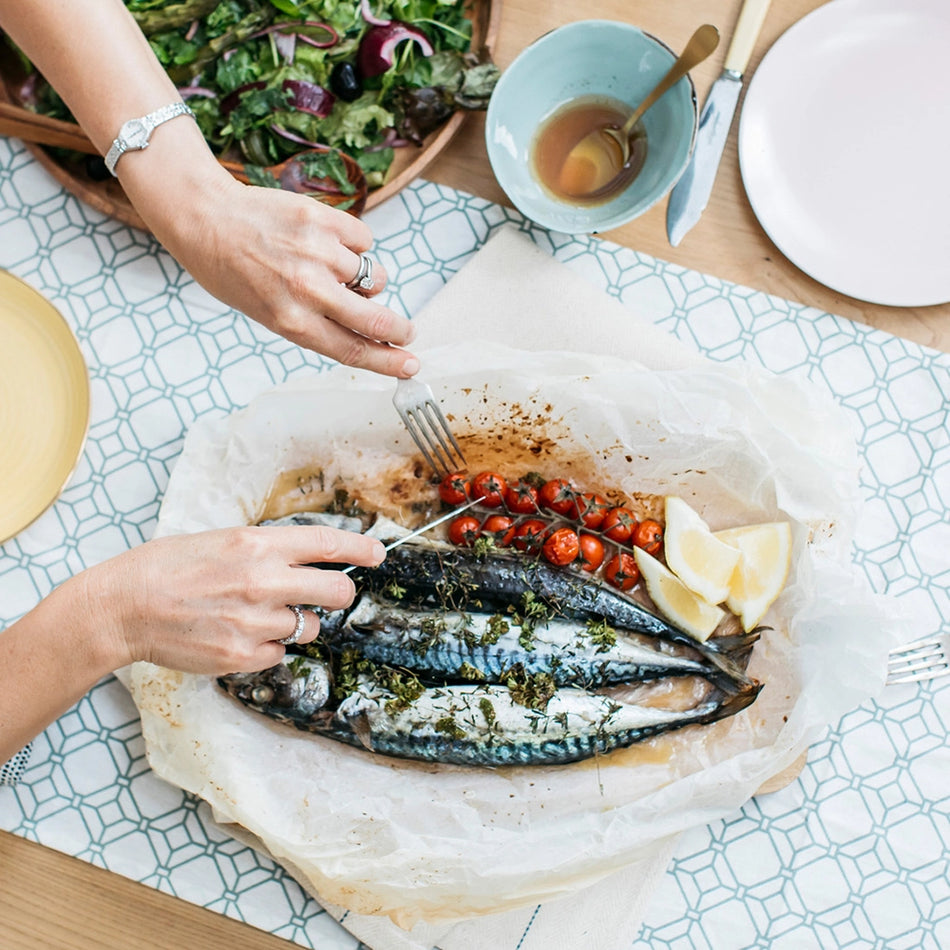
(44, 404)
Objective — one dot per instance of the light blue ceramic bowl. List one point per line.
(589, 58)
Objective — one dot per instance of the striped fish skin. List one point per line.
(324, 519)
(482, 725)
(477, 646)
(458, 579)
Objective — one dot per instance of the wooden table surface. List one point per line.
(51, 901)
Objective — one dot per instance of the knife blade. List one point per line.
(690, 195)
(426, 527)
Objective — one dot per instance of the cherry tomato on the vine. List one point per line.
(592, 552)
(454, 488)
(649, 536)
(590, 508)
(622, 571)
(522, 498)
(561, 546)
(490, 488)
(619, 524)
(559, 495)
(464, 530)
(501, 528)
(529, 535)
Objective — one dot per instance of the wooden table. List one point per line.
(49, 900)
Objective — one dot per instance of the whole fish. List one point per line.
(467, 725)
(457, 579)
(480, 647)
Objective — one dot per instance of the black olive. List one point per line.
(345, 82)
(96, 168)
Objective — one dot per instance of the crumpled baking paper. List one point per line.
(418, 842)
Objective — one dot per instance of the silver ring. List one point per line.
(364, 276)
(298, 627)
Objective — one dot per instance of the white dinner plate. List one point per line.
(844, 148)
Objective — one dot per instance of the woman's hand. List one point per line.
(217, 601)
(281, 258)
(284, 260)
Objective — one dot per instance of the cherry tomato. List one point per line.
(490, 488)
(464, 530)
(591, 509)
(522, 498)
(454, 488)
(558, 495)
(649, 536)
(622, 571)
(529, 535)
(592, 552)
(619, 524)
(561, 546)
(501, 528)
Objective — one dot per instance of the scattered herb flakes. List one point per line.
(394, 590)
(497, 627)
(532, 690)
(470, 673)
(601, 634)
(449, 727)
(488, 712)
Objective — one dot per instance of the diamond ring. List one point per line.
(298, 627)
(364, 276)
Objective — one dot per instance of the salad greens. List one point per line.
(268, 78)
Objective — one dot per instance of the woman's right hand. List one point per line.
(217, 601)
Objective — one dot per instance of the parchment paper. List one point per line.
(432, 845)
(381, 836)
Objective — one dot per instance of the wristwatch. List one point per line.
(135, 133)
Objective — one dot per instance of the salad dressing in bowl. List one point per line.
(575, 182)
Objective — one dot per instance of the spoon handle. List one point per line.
(700, 45)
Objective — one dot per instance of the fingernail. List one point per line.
(379, 552)
(411, 366)
(413, 332)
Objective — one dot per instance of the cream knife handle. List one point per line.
(751, 18)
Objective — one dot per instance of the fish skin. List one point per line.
(487, 727)
(493, 582)
(323, 519)
(447, 645)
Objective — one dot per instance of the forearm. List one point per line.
(105, 84)
(50, 659)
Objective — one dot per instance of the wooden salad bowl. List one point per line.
(39, 132)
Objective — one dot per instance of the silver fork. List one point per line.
(924, 659)
(429, 429)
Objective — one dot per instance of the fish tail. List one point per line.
(728, 658)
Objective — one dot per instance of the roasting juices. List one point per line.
(573, 180)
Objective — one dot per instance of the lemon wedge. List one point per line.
(765, 557)
(703, 562)
(675, 600)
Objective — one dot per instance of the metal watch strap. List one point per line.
(135, 133)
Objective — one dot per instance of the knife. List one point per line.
(426, 527)
(689, 197)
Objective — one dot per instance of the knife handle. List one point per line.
(751, 18)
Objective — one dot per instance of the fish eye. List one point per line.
(262, 694)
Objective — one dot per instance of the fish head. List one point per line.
(297, 688)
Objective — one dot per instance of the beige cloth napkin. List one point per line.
(516, 293)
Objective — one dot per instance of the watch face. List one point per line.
(135, 134)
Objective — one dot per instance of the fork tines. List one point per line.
(430, 431)
(924, 659)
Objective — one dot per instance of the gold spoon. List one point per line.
(602, 156)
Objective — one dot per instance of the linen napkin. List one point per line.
(513, 291)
